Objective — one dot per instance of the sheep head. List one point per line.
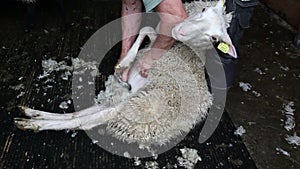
(204, 28)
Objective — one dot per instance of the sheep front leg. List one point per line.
(81, 123)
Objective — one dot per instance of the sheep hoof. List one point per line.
(22, 109)
(29, 112)
(26, 124)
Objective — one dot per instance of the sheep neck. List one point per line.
(200, 52)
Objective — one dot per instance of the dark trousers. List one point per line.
(31, 14)
(242, 11)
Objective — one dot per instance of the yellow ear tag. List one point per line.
(224, 47)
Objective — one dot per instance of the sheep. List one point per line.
(199, 36)
(169, 102)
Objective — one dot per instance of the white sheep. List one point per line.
(168, 103)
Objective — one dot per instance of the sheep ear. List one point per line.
(228, 18)
(231, 49)
(220, 4)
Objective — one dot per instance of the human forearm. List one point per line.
(131, 19)
(171, 12)
(163, 41)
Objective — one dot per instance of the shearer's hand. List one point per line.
(125, 74)
(122, 73)
(146, 62)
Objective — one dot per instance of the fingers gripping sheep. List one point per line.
(172, 99)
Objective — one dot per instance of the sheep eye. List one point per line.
(204, 9)
(213, 38)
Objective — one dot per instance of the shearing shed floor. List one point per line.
(262, 106)
(269, 111)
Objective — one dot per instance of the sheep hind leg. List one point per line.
(80, 123)
(42, 115)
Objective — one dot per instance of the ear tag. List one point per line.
(224, 47)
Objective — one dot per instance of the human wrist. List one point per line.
(155, 53)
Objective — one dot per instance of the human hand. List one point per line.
(143, 65)
(122, 72)
(146, 62)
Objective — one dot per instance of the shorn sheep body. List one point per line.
(169, 102)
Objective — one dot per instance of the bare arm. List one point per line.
(171, 12)
(131, 20)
